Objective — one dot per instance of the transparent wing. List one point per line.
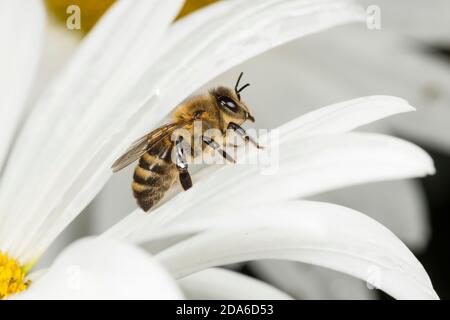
(137, 149)
(143, 144)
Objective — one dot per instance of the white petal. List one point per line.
(79, 228)
(398, 205)
(22, 25)
(345, 116)
(310, 282)
(221, 284)
(305, 167)
(107, 206)
(316, 233)
(60, 44)
(103, 269)
(113, 104)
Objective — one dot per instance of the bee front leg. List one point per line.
(214, 145)
(182, 166)
(241, 132)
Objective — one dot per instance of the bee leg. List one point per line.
(233, 145)
(213, 144)
(182, 166)
(241, 132)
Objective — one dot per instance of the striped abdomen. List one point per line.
(154, 175)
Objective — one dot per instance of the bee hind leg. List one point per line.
(185, 180)
(182, 166)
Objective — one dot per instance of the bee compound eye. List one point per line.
(228, 103)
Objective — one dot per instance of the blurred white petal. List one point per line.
(310, 282)
(424, 20)
(221, 284)
(318, 233)
(426, 85)
(103, 269)
(22, 26)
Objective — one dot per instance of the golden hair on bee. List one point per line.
(161, 153)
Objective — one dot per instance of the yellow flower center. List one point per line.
(12, 276)
(92, 10)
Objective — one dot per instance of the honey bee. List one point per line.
(221, 108)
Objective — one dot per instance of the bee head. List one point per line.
(230, 104)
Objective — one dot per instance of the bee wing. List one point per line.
(143, 144)
(137, 149)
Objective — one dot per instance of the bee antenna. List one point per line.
(236, 87)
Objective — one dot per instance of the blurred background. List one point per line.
(406, 54)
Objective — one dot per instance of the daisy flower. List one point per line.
(127, 74)
(304, 70)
